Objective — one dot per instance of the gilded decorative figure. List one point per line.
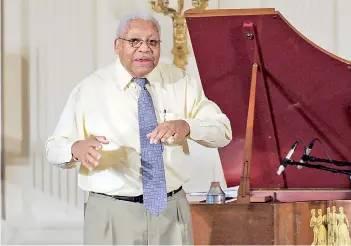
(343, 228)
(180, 49)
(322, 232)
(331, 228)
(313, 224)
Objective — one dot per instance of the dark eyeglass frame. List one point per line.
(137, 42)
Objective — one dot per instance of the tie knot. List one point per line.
(140, 81)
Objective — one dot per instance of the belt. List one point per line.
(138, 199)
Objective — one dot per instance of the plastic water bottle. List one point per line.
(215, 194)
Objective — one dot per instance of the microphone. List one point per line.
(287, 158)
(307, 153)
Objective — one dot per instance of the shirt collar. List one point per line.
(124, 78)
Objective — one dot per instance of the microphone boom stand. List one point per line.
(315, 159)
(321, 167)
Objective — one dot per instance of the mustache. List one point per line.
(145, 57)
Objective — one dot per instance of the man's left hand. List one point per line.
(176, 129)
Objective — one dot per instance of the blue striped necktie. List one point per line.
(153, 174)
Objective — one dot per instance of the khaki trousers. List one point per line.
(115, 222)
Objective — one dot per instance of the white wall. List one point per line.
(51, 45)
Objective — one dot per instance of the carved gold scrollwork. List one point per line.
(180, 49)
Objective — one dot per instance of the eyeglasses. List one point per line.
(137, 42)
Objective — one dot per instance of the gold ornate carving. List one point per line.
(331, 228)
(180, 49)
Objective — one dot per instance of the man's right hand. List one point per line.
(85, 151)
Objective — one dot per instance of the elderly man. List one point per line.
(127, 126)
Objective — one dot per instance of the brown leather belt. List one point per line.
(138, 199)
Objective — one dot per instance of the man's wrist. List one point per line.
(188, 127)
(75, 159)
(195, 129)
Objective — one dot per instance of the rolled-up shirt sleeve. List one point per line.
(68, 130)
(209, 126)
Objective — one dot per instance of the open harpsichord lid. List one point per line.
(306, 94)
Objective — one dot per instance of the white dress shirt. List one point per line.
(106, 104)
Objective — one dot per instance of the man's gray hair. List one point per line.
(128, 18)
